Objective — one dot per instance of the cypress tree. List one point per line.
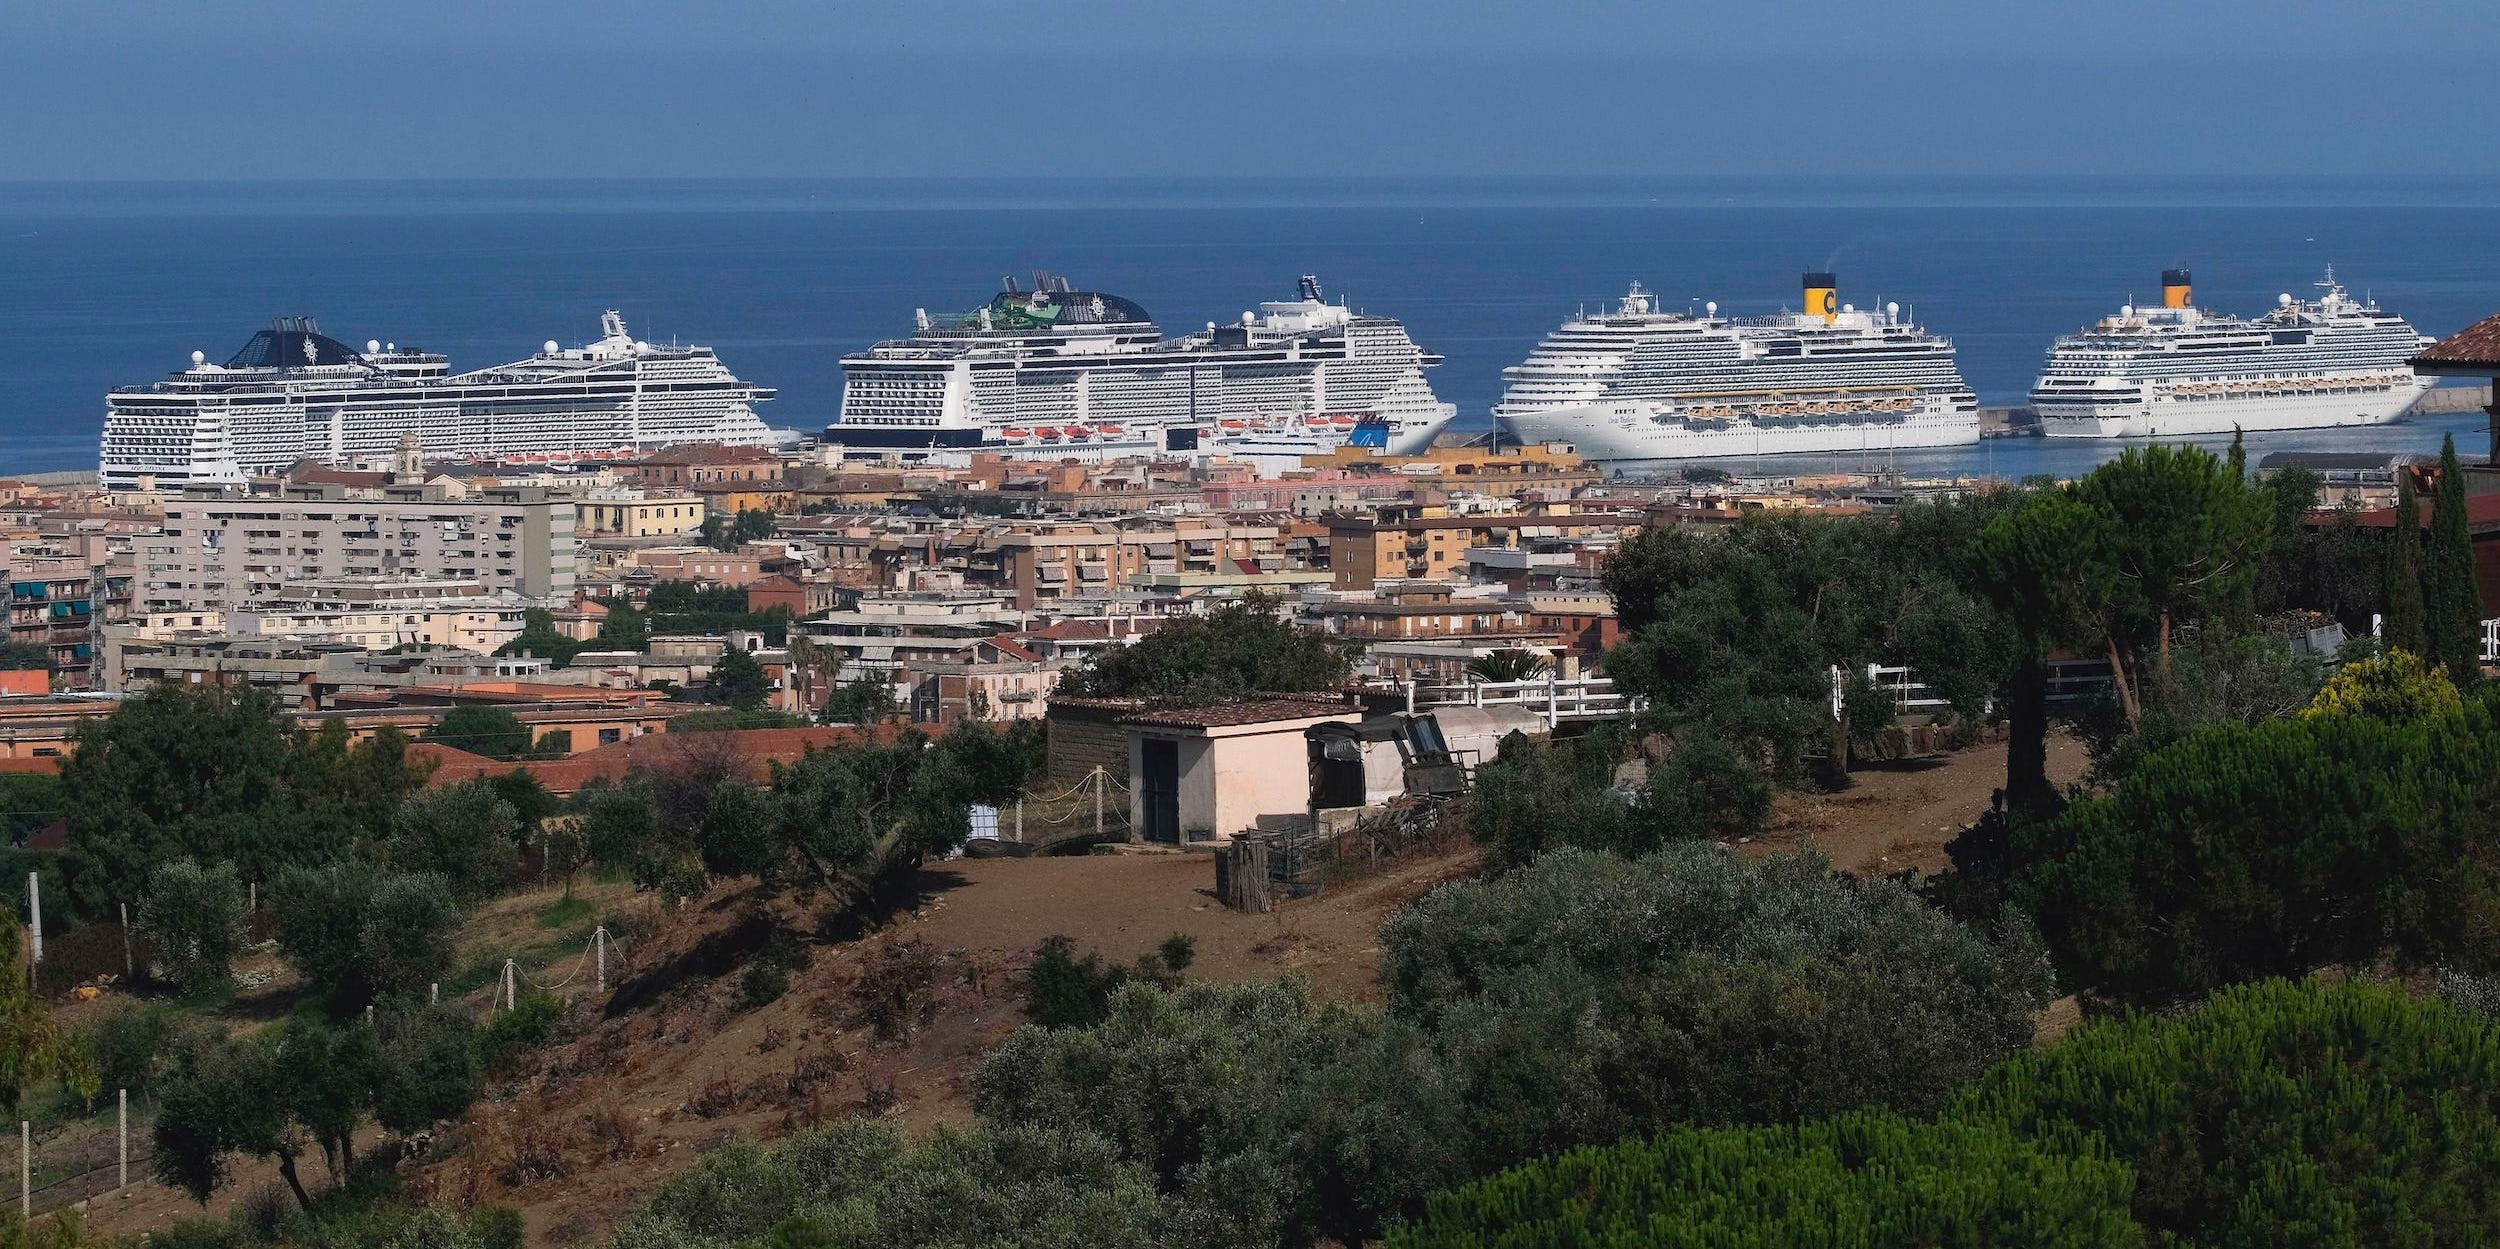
(2454, 619)
(2401, 629)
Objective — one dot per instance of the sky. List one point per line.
(245, 89)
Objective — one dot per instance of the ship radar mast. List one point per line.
(1636, 301)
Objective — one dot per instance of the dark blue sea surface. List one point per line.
(117, 283)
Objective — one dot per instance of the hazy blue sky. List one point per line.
(516, 88)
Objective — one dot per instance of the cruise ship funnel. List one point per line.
(1822, 296)
(2175, 289)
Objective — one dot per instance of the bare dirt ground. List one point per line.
(601, 1117)
(1900, 815)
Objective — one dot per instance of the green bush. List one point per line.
(2279, 1113)
(511, 1034)
(1866, 1179)
(1065, 990)
(193, 916)
(858, 1182)
(1712, 789)
(762, 984)
(1590, 998)
(129, 1042)
(2248, 851)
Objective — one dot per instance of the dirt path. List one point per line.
(1900, 815)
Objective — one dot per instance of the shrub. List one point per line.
(357, 932)
(762, 984)
(1589, 998)
(857, 1182)
(1712, 789)
(511, 1034)
(896, 992)
(1064, 990)
(2249, 851)
(1863, 1179)
(2394, 686)
(193, 916)
(2279, 1113)
(129, 1042)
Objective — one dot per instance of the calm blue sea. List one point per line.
(114, 284)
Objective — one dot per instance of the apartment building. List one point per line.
(379, 614)
(61, 601)
(223, 549)
(1431, 542)
(1045, 564)
(628, 513)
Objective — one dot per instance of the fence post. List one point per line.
(1840, 699)
(2377, 621)
(511, 998)
(130, 970)
(25, 1170)
(1553, 701)
(34, 911)
(124, 1117)
(434, 994)
(599, 943)
(1019, 819)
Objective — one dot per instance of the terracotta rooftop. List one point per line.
(453, 765)
(2472, 350)
(2482, 513)
(1246, 711)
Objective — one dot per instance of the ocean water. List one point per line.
(116, 284)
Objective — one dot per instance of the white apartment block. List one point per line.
(223, 550)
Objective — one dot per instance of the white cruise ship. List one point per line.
(1642, 384)
(2178, 370)
(295, 393)
(1055, 373)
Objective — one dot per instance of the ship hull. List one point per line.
(2171, 418)
(1621, 432)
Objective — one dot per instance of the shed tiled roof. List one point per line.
(1245, 711)
(2476, 347)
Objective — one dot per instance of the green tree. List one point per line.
(193, 917)
(856, 1182)
(2039, 562)
(2182, 536)
(1864, 1178)
(195, 772)
(465, 833)
(220, 1098)
(358, 932)
(739, 681)
(481, 730)
(2280, 1113)
(2404, 628)
(1537, 796)
(25, 656)
(530, 799)
(861, 700)
(2453, 618)
(1241, 648)
(2246, 851)
(1508, 664)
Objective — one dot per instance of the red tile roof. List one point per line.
(2482, 512)
(453, 765)
(2474, 349)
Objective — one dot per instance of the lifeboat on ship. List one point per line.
(1108, 430)
(1050, 432)
(1341, 421)
(1015, 433)
(1233, 425)
(1079, 431)
(1316, 422)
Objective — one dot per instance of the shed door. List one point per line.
(1162, 764)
